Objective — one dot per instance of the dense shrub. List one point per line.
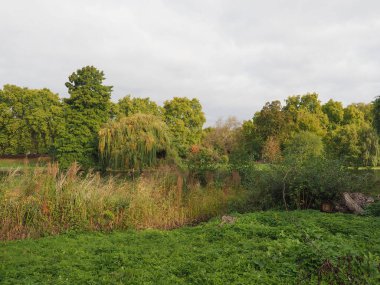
(205, 164)
(373, 210)
(303, 185)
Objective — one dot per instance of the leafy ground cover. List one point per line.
(300, 247)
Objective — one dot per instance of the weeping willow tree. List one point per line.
(134, 142)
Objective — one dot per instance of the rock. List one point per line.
(228, 220)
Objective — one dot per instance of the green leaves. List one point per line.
(347, 133)
(260, 248)
(88, 107)
(356, 144)
(303, 146)
(185, 119)
(134, 142)
(376, 113)
(128, 106)
(29, 120)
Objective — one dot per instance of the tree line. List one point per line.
(39, 122)
(347, 133)
(134, 133)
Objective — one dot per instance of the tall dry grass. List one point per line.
(46, 201)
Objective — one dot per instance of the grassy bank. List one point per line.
(46, 201)
(260, 248)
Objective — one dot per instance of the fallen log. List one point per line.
(351, 204)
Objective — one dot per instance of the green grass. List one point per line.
(7, 164)
(260, 248)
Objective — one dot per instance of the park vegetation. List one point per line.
(37, 121)
(90, 164)
(137, 164)
(272, 247)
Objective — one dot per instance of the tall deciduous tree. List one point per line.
(335, 112)
(223, 137)
(29, 120)
(87, 108)
(356, 144)
(250, 143)
(376, 114)
(128, 106)
(134, 142)
(353, 115)
(306, 113)
(185, 119)
(271, 122)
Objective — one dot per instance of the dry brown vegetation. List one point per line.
(46, 201)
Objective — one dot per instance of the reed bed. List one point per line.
(47, 201)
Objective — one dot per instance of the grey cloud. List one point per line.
(232, 55)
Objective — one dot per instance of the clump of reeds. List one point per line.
(46, 201)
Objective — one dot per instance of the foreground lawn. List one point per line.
(260, 248)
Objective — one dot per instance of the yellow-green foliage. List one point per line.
(48, 201)
(133, 142)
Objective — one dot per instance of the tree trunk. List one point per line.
(351, 204)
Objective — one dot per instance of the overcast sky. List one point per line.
(232, 55)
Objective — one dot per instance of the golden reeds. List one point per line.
(47, 201)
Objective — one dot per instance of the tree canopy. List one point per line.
(185, 120)
(37, 121)
(376, 114)
(134, 142)
(347, 132)
(29, 120)
(87, 108)
(128, 106)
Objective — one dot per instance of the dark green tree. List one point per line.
(85, 111)
(376, 114)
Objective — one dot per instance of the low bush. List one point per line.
(373, 210)
(301, 185)
(207, 165)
